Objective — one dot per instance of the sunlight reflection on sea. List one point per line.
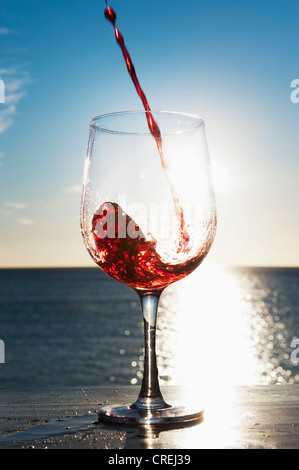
(220, 326)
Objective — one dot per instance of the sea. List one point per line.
(62, 327)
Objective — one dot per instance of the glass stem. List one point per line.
(150, 396)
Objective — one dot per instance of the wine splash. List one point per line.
(123, 252)
(153, 126)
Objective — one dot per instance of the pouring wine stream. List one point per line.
(153, 126)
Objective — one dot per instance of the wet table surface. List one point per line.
(245, 417)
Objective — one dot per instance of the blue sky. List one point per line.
(231, 62)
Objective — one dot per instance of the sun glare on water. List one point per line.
(204, 333)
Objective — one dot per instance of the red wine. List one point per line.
(123, 252)
(153, 126)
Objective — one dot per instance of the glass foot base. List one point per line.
(132, 415)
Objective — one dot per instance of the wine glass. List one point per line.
(148, 219)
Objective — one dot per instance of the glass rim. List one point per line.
(97, 127)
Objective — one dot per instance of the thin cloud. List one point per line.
(14, 98)
(8, 70)
(6, 118)
(13, 209)
(15, 81)
(7, 31)
(73, 189)
(15, 205)
(25, 221)
(5, 212)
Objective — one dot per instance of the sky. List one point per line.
(230, 62)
